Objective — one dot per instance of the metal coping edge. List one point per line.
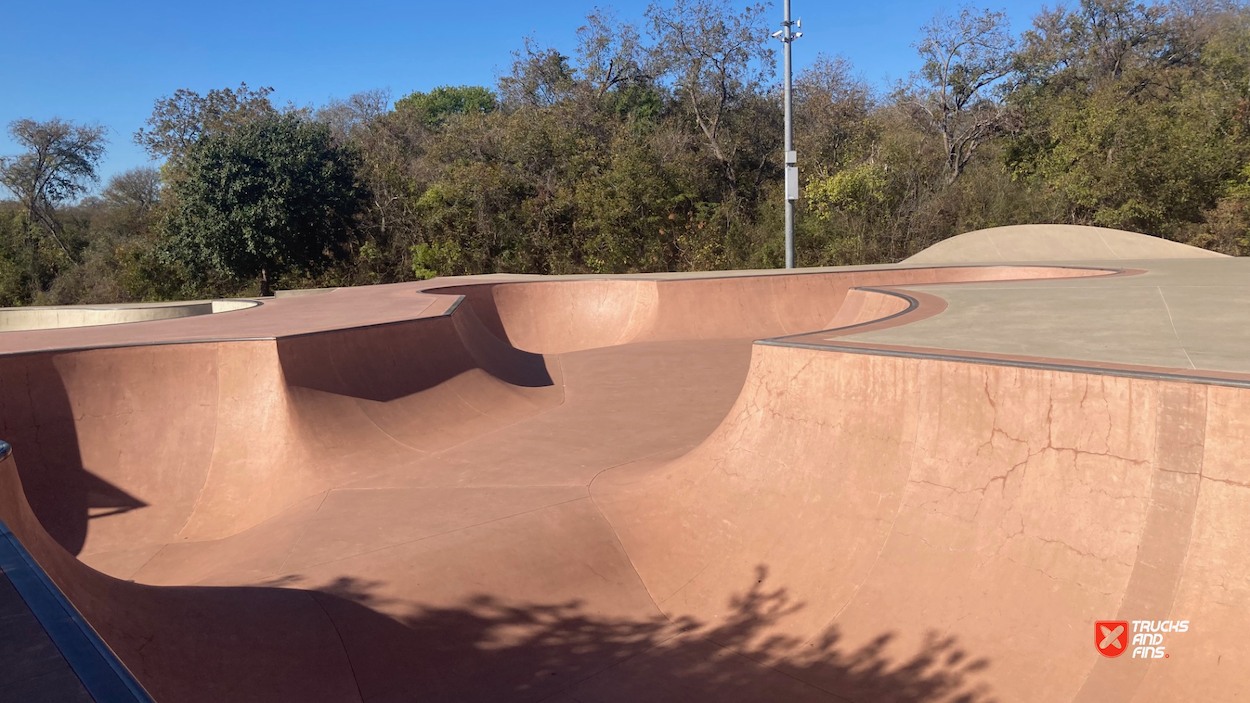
(102, 674)
(912, 305)
(1068, 367)
(676, 276)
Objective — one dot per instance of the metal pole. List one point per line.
(792, 169)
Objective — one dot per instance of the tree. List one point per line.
(610, 53)
(965, 56)
(539, 77)
(116, 262)
(433, 108)
(656, 146)
(271, 195)
(137, 190)
(180, 120)
(1136, 114)
(832, 113)
(1098, 41)
(716, 58)
(58, 167)
(347, 118)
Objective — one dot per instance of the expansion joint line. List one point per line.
(346, 654)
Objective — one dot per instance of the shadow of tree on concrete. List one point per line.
(485, 648)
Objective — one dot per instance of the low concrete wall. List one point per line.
(52, 317)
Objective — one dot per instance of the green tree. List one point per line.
(433, 108)
(58, 166)
(660, 150)
(716, 59)
(180, 120)
(269, 196)
(540, 77)
(610, 53)
(119, 262)
(833, 109)
(965, 56)
(1132, 113)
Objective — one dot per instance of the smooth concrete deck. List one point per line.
(594, 489)
(1180, 313)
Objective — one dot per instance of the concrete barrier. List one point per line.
(57, 316)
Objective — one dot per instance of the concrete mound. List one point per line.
(1021, 243)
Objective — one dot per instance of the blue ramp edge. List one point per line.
(104, 676)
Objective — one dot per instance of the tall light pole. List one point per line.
(787, 38)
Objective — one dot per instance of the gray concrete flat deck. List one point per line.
(1177, 313)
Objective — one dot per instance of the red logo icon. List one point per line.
(1111, 637)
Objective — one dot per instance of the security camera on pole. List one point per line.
(787, 37)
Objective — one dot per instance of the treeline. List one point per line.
(655, 146)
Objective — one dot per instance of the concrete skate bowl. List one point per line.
(61, 316)
(1038, 243)
(629, 500)
(554, 317)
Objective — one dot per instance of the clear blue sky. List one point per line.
(105, 62)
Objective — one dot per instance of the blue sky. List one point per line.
(106, 62)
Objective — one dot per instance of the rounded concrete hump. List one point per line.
(1020, 243)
